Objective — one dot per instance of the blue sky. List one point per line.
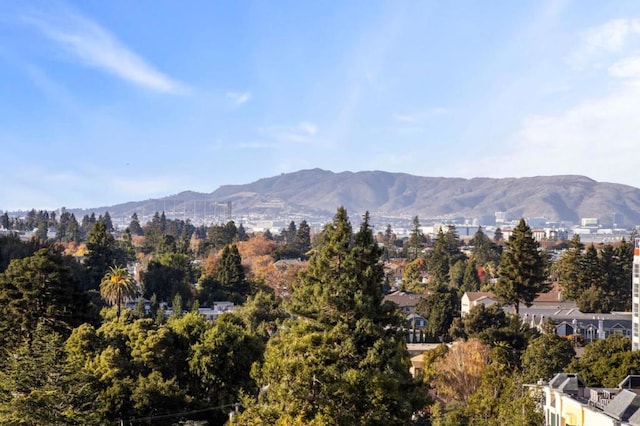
(103, 102)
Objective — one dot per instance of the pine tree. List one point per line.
(416, 240)
(134, 225)
(623, 264)
(341, 359)
(230, 274)
(5, 223)
(593, 295)
(72, 233)
(471, 280)
(36, 288)
(484, 250)
(567, 269)
(302, 240)
(108, 223)
(522, 273)
(446, 253)
(101, 255)
(33, 382)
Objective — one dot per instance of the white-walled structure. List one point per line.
(635, 298)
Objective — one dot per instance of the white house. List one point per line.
(473, 298)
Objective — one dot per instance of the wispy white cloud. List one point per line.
(596, 137)
(96, 47)
(626, 68)
(220, 145)
(255, 145)
(608, 38)
(239, 98)
(303, 132)
(419, 116)
(405, 118)
(51, 88)
(308, 128)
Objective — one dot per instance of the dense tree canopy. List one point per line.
(35, 289)
(102, 253)
(340, 360)
(546, 356)
(167, 275)
(523, 270)
(598, 280)
(607, 362)
(446, 253)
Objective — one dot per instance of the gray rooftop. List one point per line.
(623, 406)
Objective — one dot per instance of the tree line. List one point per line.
(331, 352)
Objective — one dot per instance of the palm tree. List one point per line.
(117, 286)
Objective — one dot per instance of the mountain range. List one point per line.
(317, 193)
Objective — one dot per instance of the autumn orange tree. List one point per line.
(459, 371)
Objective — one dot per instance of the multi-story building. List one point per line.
(635, 296)
(567, 401)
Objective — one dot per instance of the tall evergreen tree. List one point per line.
(593, 296)
(134, 225)
(341, 359)
(230, 274)
(439, 309)
(101, 254)
(36, 288)
(567, 269)
(416, 240)
(484, 250)
(388, 239)
(62, 226)
(219, 236)
(446, 253)
(33, 382)
(108, 223)
(621, 277)
(471, 280)
(42, 230)
(302, 240)
(5, 223)
(522, 273)
(242, 233)
(72, 233)
(289, 234)
(167, 275)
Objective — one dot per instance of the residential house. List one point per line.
(405, 300)
(474, 298)
(567, 401)
(568, 319)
